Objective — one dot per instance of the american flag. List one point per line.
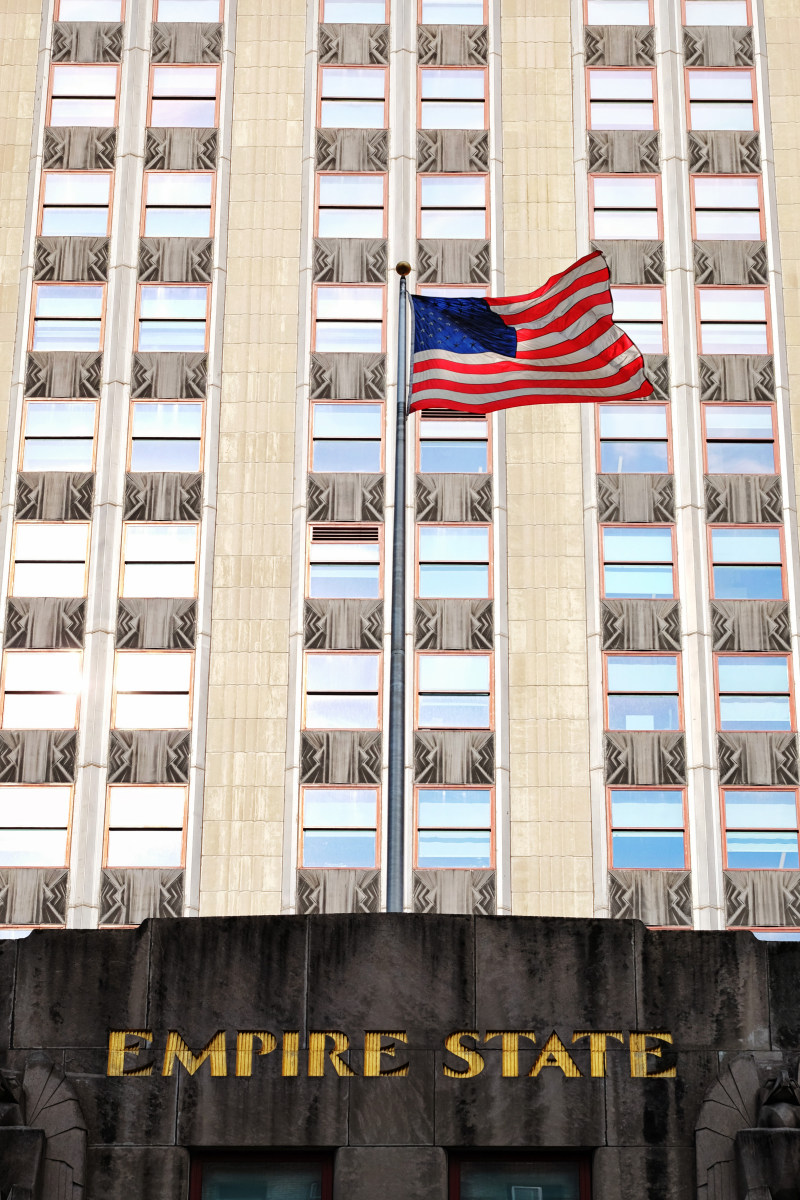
(558, 345)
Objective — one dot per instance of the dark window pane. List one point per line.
(748, 583)
(645, 848)
(774, 851)
(281, 1181)
(519, 1181)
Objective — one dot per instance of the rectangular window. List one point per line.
(727, 207)
(354, 12)
(172, 317)
(754, 692)
(68, 316)
(50, 559)
(352, 98)
(740, 439)
(642, 691)
(621, 99)
(640, 312)
(166, 435)
(58, 435)
(306, 1175)
(452, 442)
(34, 826)
(454, 828)
(83, 95)
(452, 98)
(747, 564)
(647, 827)
(454, 691)
(716, 12)
(349, 319)
(344, 562)
(89, 10)
(618, 12)
(633, 439)
(346, 437)
(340, 827)
(733, 320)
(453, 206)
(452, 12)
(189, 10)
(41, 689)
(721, 99)
(453, 561)
(760, 829)
(145, 826)
(178, 204)
(625, 206)
(152, 689)
(342, 691)
(637, 562)
(160, 560)
(75, 203)
(351, 206)
(518, 1177)
(184, 96)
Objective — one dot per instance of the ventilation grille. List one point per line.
(450, 414)
(354, 534)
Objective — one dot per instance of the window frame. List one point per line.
(621, 322)
(751, 71)
(50, 97)
(202, 1159)
(219, 21)
(181, 174)
(676, 654)
(711, 530)
(144, 828)
(723, 788)
(704, 178)
(23, 439)
(634, 404)
(320, 175)
(132, 404)
(690, 26)
(523, 1155)
(424, 175)
(153, 67)
(57, 12)
(312, 525)
(378, 693)
(372, 287)
(369, 99)
(492, 827)
(123, 563)
(140, 286)
(191, 654)
(485, 4)
(618, 70)
(12, 570)
(68, 839)
(663, 787)
(418, 562)
(322, 20)
(419, 655)
(745, 404)
(68, 284)
(40, 691)
(593, 177)
(311, 439)
(716, 287)
(616, 525)
(43, 189)
(450, 414)
(338, 787)
(754, 654)
(448, 67)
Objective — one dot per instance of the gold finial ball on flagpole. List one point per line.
(403, 269)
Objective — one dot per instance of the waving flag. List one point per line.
(558, 345)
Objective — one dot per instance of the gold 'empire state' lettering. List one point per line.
(328, 1052)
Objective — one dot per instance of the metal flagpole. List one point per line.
(395, 845)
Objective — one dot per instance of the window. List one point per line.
(633, 438)
(346, 437)
(342, 691)
(172, 318)
(727, 207)
(621, 99)
(344, 562)
(754, 692)
(733, 320)
(75, 203)
(352, 98)
(454, 691)
(58, 435)
(160, 560)
(740, 439)
(166, 436)
(81, 95)
(721, 99)
(453, 442)
(89, 10)
(453, 206)
(642, 691)
(351, 206)
(67, 316)
(454, 828)
(340, 827)
(746, 564)
(640, 312)
(518, 1177)
(625, 206)
(152, 689)
(306, 1175)
(145, 826)
(41, 688)
(716, 12)
(760, 829)
(34, 826)
(184, 96)
(454, 561)
(452, 99)
(50, 559)
(618, 12)
(637, 562)
(354, 12)
(452, 12)
(349, 319)
(647, 828)
(458, 292)
(189, 10)
(178, 204)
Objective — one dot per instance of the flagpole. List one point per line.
(395, 842)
